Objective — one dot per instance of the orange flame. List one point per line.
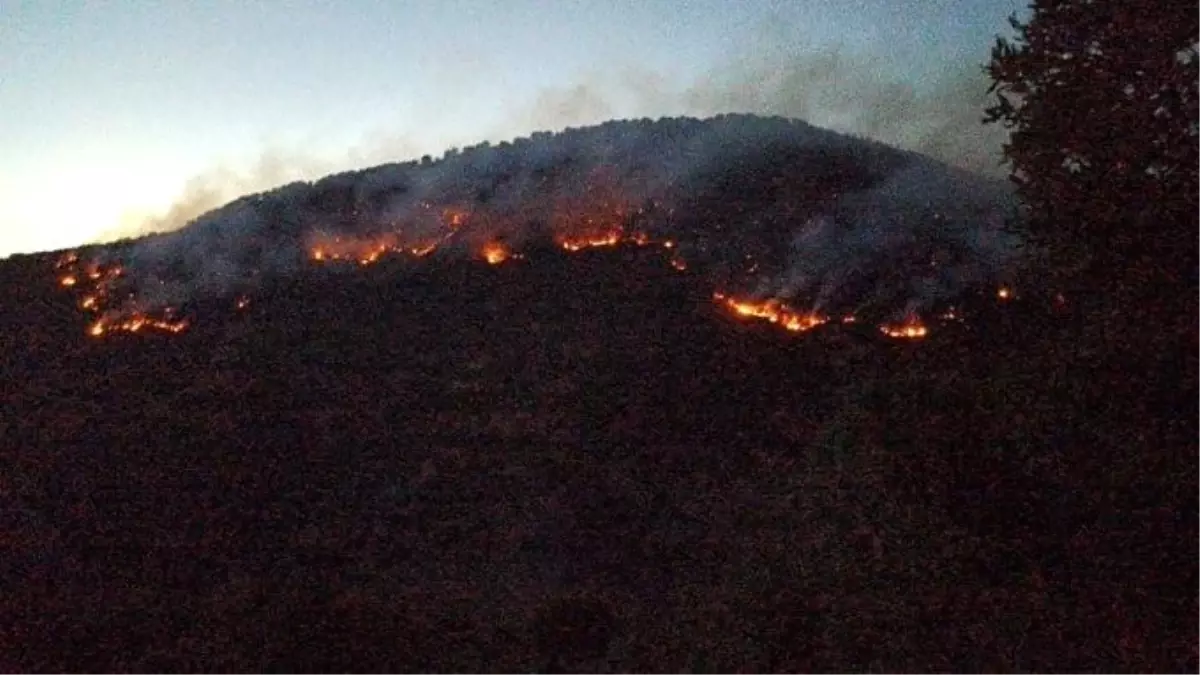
(580, 243)
(774, 312)
(911, 329)
(135, 323)
(495, 253)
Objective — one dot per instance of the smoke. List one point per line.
(919, 237)
(853, 93)
(220, 185)
(829, 86)
(727, 190)
(883, 206)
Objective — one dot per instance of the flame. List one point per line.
(772, 311)
(578, 244)
(454, 218)
(594, 225)
(495, 253)
(136, 323)
(911, 329)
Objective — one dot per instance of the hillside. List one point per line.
(766, 207)
(576, 459)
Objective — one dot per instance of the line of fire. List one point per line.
(111, 311)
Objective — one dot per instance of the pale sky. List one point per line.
(108, 109)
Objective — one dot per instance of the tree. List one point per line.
(1101, 100)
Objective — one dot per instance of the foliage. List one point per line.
(1102, 101)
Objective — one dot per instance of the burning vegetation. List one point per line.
(607, 187)
(95, 283)
(772, 311)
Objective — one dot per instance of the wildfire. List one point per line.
(578, 244)
(96, 282)
(772, 311)
(911, 329)
(778, 313)
(951, 314)
(495, 253)
(136, 323)
(610, 238)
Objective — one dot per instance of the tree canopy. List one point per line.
(1101, 100)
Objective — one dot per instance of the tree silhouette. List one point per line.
(1101, 98)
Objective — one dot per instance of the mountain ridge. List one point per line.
(765, 207)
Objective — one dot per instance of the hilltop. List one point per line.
(769, 207)
(576, 459)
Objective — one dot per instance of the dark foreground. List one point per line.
(584, 468)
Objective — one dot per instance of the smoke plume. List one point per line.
(809, 188)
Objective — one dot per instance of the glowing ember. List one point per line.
(135, 324)
(454, 218)
(96, 284)
(495, 253)
(772, 311)
(573, 244)
(911, 329)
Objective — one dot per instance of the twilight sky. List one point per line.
(128, 115)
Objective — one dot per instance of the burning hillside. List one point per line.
(94, 284)
(774, 212)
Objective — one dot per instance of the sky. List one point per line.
(127, 116)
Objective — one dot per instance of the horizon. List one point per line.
(123, 112)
